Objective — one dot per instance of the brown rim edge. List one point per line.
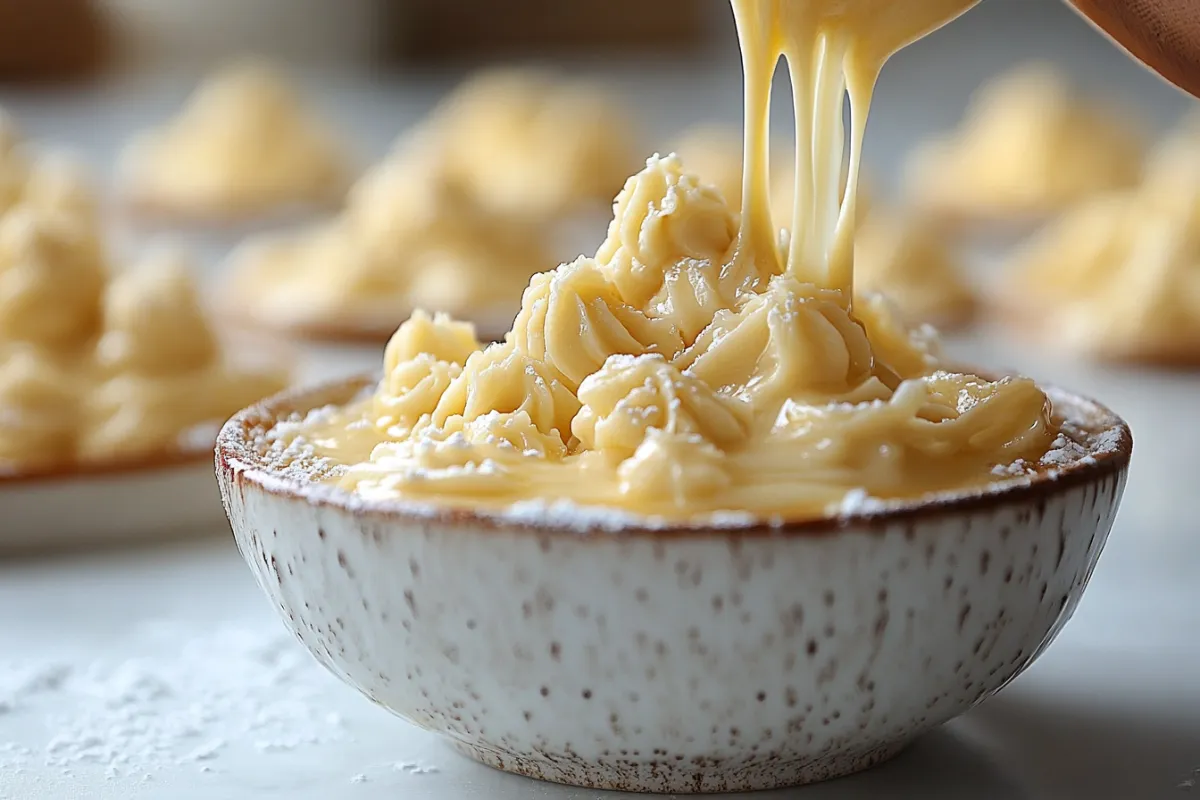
(236, 462)
(99, 470)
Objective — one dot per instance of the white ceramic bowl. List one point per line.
(564, 647)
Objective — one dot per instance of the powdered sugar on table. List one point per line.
(175, 700)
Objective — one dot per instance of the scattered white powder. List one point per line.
(1071, 447)
(856, 502)
(174, 702)
(731, 519)
(573, 516)
(20, 683)
(359, 778)
(413, 768)
(1190, 781)
(289, 429)
(1016, 469)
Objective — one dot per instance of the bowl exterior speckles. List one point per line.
(696, 660)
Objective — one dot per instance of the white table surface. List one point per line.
(161, 673)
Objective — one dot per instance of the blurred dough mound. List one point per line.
(903, 257)
(243, 146)
(97, 366)
(527, 143)
(455, 219)
(1118, 275)
(48, 181)
(1027, 148)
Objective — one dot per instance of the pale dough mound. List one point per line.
(456, 218)
(159, 368)
(905, 258)
(1118, 276)
(244, 145)
(1028, 147)
(408, 238)
(94, 369)
(526, 143)
(50, 181)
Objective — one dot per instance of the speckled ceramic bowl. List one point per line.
(582, 649)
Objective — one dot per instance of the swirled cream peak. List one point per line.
(424, 355)
(1028, 146)
(630, 395)
(668, 248)
(699, 362)
(573, 319)
(59, 184)
(243, 144)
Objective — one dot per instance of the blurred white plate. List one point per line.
(156, 500)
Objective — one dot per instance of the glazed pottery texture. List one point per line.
(581, 649)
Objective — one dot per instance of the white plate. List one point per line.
(120, 503)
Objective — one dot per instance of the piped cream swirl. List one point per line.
(700, 361)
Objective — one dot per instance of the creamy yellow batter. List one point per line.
(94, 369)
(700, 362)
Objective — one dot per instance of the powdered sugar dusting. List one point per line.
(284, 448)
(573, 516)
(857, 502)
(175, 703)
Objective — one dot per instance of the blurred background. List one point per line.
(377, 65)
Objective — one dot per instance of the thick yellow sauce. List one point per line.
(700, 361)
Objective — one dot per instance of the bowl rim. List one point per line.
(237, 462)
